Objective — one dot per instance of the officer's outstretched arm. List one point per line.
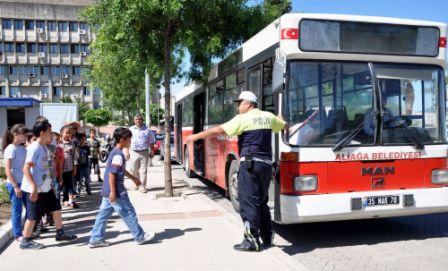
(212, 132)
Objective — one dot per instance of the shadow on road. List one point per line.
(308, 237)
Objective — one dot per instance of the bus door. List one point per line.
(198, 126)
(179, 132)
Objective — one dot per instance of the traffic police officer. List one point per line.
(254, 129)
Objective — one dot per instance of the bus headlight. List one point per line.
(305, 183)
(439, 176)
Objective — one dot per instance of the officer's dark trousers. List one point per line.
(253, 187)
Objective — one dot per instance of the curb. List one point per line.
(275, 251)
(5, 235)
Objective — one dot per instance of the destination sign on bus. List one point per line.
(368, 38)
(377, 156)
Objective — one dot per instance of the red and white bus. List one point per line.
(364, 98)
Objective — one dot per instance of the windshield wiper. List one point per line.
(410, 134)
(344, 141)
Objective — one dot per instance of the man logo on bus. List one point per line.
(378, 171)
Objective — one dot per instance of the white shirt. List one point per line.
(141, 138)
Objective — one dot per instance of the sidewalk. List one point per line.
(193, 233)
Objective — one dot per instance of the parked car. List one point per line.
(159, 139)
(162, 146)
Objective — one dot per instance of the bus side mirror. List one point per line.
(278, 75)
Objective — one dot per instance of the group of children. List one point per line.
(42, 165)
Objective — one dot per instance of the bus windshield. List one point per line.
(326, 101)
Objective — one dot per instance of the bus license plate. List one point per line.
(382, 200)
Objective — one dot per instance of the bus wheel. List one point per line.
(188, 171)
(233, 184)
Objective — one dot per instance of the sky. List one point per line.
(432, 10)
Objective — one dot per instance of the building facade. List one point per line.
(43, 50)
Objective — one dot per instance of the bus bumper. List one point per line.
(333, 207)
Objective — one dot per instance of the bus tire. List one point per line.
(232, 180)
(188, 171)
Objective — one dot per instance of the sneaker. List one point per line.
(66, 237)
(99, 244)
(143, 189)
(74, 205)
(31, 245)
(147, 237)
(248, 245)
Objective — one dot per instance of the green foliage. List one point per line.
(156, 113)
(98, 117)
(66, 100)
(83, 107)
(4, 196)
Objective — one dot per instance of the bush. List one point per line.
(4, 196)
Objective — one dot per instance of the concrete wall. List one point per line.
(3, 121)
(57, 10)
(31, 113)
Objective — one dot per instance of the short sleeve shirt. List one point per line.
(254, 130)
(37, 156)
(116, 164)
(17, 155)
(94, 145)
(141, 138)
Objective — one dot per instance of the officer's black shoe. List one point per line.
(248, 245)
(267, 239)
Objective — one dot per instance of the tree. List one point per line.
(156, 113)
(98, 117)
(83, 107)
(156, 33)
(66, 100)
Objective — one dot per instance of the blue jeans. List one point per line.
(57, 188)
(16, 210)
(84, 176)
(124, 208)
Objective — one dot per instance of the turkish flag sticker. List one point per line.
(290, 34)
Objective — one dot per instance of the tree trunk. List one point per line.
(167, 81)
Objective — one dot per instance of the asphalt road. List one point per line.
(405, 243)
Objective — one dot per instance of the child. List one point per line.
(94, 145)
(69, 167)
(36, 185)
(83, 165)
(115, 197)
(14, 155)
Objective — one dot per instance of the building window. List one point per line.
(74, 48)
(73, 26)
(2, 70)
(18, 24)
(14, 92)
(65, 70)
(6, 24)
(20, 47)
(62, 26)
(54, 48)
(29, 25)
(76, 70)
(83, 26)
(31, 48)
(86, 91)
(14, 70)
(44, 70)
(44, 91)
(52, 26)
(57, 91)
(55, 70)
(9, 47)
(64, 49)
(2, 91)
(1, 48)
(40, 24)
(85, 48)
(42, 48)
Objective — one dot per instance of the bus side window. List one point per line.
(231, 93)
(255, 81)
(215, 103)
(268, 97)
